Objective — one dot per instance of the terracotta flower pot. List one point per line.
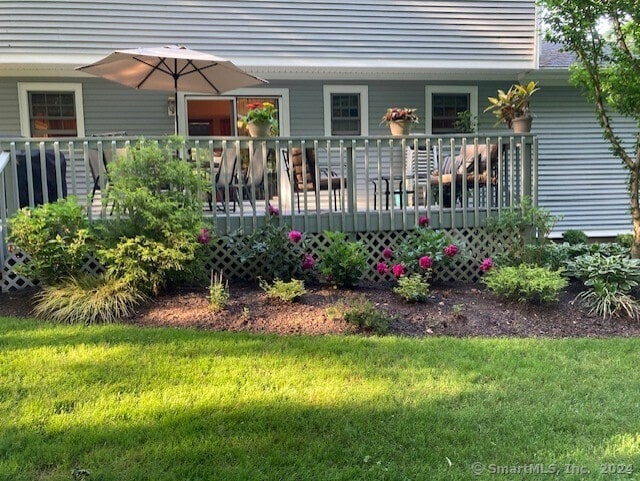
(521, 125)
(400, 127)
(259, 129)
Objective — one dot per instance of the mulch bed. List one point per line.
(452, 310)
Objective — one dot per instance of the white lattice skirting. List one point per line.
(477, 245)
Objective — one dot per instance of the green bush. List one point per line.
(412, 288)
(271, 253)
(526, 283)
(366, 315)
(284, 291)
(425, 242)
(573, 237)
(218, 293)
(342, 262)
(157, 215)
(85, 299)
(625, 240)
(56, 238)
(556, 256)
(609, 281)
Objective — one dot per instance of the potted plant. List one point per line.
(512, 107)
(400, 120)
(465, 122)
(261, 119)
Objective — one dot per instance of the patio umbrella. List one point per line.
(172, 68)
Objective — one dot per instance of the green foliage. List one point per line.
(526, 283)
(218, 292)
(56, 237)
(604, 37)
(366, 315)
(423, 242)
(617, 272)
(284, 291)
(606, 301)
(573, 237)
(412, 288)
(465, 122)
(157, 212)
(512, 104)
(270, 251)
(342, 262)
(85, 299)
(625, 240)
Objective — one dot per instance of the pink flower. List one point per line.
(425, 262)
(486, 265)
(451, 250)
(398, 270)
(295, 236)
(382, 268)
(204, 237)
(423, 221)
(387, 253)
(273, 210)
(308, 262)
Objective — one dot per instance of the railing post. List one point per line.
(527, 168)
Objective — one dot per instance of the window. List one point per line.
(346, 110)
(445, 103)
(51, 110)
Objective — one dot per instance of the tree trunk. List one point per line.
(634, 185)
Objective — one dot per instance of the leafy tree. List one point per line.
(604, 35)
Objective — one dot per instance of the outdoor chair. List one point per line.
(464, 166)
(225, 181)
(253, 181)
(307, 177)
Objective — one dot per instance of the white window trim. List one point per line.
(23, 102)
(472, 90)
(363, 90)
(283, 107)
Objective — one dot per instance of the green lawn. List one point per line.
(159, 404)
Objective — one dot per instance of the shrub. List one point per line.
(520, 223)
(526, 283)
(366, 315)
(55, 236)
(342, 262)
(625, 240)
(573, 237)
(218, 293)
(606, 301)
(274, 251)
(284, 291)
(412, 288)
(85, 299)
(609, 281)
(423, 250)
(157, 215)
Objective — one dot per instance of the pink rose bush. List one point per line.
(425, 262)
(486, 265)
(382, 268)
(451, 250)
(295, 236)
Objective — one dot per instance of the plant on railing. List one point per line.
(262, 113)
(512, 104)
(55, 236)
(397, 114)
(342, 263)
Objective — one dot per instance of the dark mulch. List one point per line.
(452, 310)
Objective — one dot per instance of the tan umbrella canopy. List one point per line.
(172, 68)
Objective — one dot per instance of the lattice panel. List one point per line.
(224, 256)
(12, 281)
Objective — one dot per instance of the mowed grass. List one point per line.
(158, 404)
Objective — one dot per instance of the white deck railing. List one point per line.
(365, 183)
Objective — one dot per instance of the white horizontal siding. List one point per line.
(579, 178)
(302, 32)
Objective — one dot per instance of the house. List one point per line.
(363, 56)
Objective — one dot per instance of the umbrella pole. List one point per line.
(176, 103)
